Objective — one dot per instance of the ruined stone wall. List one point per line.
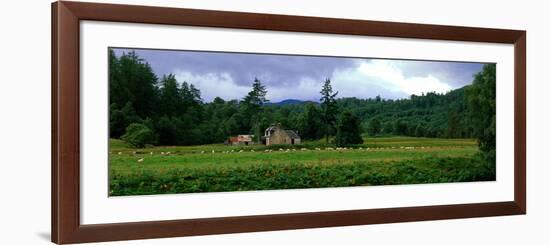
(279, 137)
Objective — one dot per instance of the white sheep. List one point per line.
(120, 153)
(140, 160)
(240, 151)
(317, 148)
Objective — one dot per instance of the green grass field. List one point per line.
(218, 168)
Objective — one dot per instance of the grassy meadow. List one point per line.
(222, 168)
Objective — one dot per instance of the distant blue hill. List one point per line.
(289, 102)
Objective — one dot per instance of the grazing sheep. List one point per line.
(162, 152)
(287, 150)
(120, 153)
(202, 152)
(266, 150)
(329, 148)
(213, 151)
(140, 160)
(280, 149)
(232, 151)
(293, 149)
(252, 150)
(317, 148)
(240, 151)
(303, 149)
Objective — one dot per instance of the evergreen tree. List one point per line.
(329, 108)
(170, 98)
(118, 93)
(192, 102)
(254, 102)
(348, 130)
(310, 123)
(137, 84)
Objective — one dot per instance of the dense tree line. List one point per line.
(172, 112)
(427, 115)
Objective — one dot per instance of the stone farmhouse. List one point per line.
(276, 134)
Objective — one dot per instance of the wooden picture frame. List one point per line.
(66, 226)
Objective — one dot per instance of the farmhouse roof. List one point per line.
(292, 134)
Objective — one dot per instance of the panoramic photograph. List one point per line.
(204, 121)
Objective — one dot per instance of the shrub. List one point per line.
(138, 135)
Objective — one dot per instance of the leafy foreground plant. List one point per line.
(293, 176)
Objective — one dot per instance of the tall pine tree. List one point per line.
(254, 102)
(329, 108)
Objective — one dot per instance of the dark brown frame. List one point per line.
(66, 227)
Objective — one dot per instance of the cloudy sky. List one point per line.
(230, 75)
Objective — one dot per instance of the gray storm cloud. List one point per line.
(229, 75)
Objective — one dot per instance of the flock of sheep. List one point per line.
(339, 149)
